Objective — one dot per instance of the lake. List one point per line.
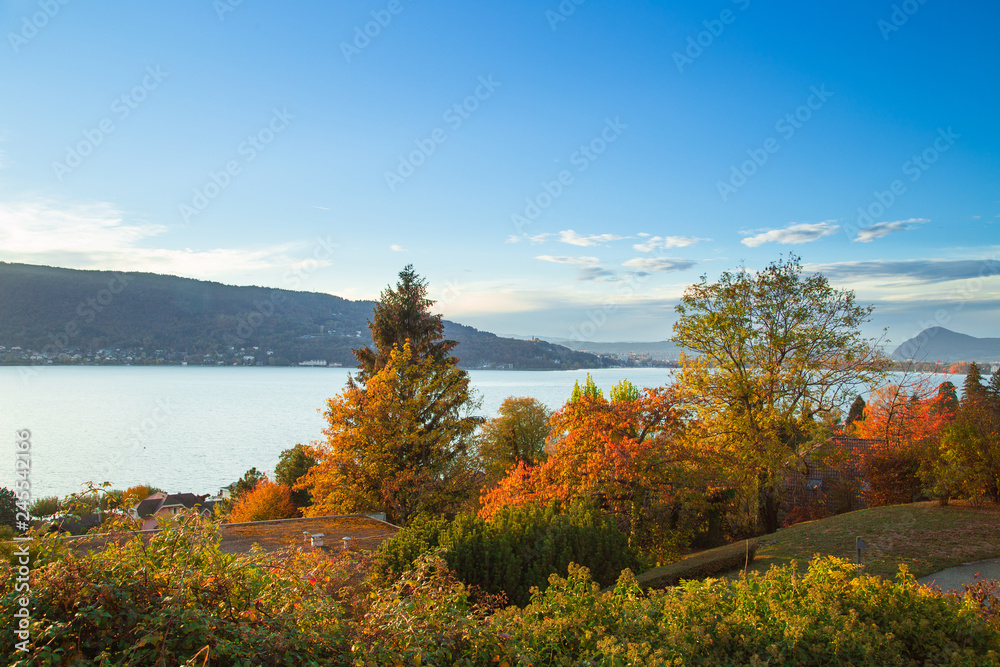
(196, 429)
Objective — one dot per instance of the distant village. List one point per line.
(137, 356)
(243, 356)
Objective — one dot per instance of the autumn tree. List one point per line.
(856, 412)
(973, 390)
(620, 453)
(251, 478)
(265, 502)
(403, 314)
(776, 356)
(947, 403)
(905, 424)
(516, 434)
(971, 444)
(398, 436)
(994, 387)
(292, 465)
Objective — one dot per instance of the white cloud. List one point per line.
(880, 229)
(534, 240)
(572, 238)
(665, 242)
(658, 264)
(579, 261)
(97, 236)
(801, 232)
(397, 248)
(39, 227)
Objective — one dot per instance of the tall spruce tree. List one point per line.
(856, 412)
(398, 436)
(403, 314)
(973, 390)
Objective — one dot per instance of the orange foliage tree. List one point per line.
(398, 444)
(267, 501)
(906, 423)
(619, 452)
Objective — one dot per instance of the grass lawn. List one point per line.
(926, 537)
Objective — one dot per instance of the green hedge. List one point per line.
(515, 550)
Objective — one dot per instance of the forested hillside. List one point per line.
(151, 317)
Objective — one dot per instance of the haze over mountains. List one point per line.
(154, 317)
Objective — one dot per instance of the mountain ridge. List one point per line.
(943, 345)
(71, 313)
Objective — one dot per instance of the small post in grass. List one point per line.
(859, 544)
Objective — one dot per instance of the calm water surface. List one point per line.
(195, 429)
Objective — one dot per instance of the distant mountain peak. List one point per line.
(945, 345)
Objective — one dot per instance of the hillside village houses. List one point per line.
(160, 504)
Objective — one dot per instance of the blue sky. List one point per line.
(554, 169)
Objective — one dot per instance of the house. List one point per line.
(157, 505)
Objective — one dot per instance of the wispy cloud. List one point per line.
(397, 248)
(800, 232)
(99, 236)
(880, 229)
(567, 236)
(572, 238)
(916, 270)
(36, 227)
(579, 261)
(665, 242)
(597, 273)
(661, 264)
(533, 240)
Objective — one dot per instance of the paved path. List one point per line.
(955, 578)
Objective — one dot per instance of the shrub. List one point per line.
(893, 474)
(827, 616)
(517, 548)
(43, 507)
(265, 502)
(168, 600)
(8, 507)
